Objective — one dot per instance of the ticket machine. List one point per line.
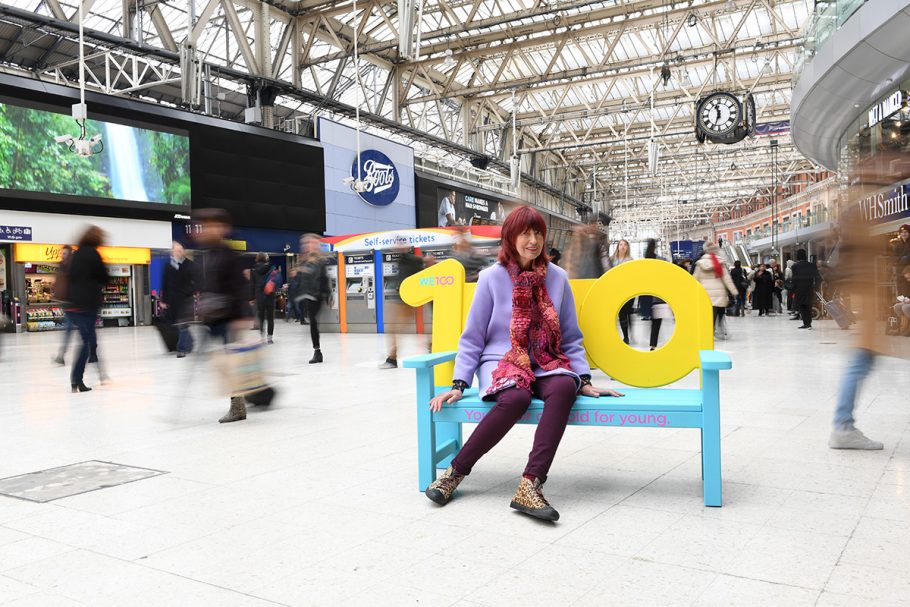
(330, 316)
(359, 292)
(396, 317)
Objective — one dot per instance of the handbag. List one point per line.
(213, 307)
(241, 369)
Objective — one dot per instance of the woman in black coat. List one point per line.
(764, 289)
(87, 278)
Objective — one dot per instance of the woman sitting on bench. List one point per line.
(521, 339)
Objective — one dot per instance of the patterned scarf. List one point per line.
(534, 331)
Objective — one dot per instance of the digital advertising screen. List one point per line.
(133, 166)
(466, 207)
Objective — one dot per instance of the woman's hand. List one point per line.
(593, 391)
(446, 398)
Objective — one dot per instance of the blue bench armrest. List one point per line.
(712, 360)
(426, 361)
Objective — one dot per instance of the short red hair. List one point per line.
(521, 219)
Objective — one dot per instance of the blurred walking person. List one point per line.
(179, 287)
(61, 294)
(650, 307)
(263, 291)
(399, 313)
(86, 279)
(714, 277)
(223, 303)
(586, 252)
(622, 254)
(805, 280)
(314, 286)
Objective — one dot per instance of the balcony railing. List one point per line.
(826, 19)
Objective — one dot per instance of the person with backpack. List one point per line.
(264, 284)
(714, 277)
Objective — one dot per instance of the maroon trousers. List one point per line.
(558, 394)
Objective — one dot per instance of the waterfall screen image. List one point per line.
(136, 164)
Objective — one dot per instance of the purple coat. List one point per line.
(486, 334)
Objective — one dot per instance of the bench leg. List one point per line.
(444, 433)
(426, 435)
(701, 440)
(710, 439)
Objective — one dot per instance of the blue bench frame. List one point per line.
(439, 435)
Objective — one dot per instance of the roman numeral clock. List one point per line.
(721, 117)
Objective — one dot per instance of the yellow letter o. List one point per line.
(691, 307)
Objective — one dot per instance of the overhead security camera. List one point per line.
(63, 138)
(348, 181)
(360, 186)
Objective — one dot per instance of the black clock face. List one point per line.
(720, 113)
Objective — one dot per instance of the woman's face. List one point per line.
(529, 245)
(622, 249)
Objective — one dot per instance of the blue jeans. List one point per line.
(67, 333)
(85, 324)
(858, 368)
(184, 338)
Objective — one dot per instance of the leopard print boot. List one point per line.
(441, 490)
(530, 500)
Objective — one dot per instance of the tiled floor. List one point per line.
(315, 503)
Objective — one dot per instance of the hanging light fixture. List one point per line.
(449, 61)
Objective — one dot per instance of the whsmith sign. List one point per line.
(381, 177)
(887, 205)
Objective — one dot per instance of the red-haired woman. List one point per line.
(521, 339)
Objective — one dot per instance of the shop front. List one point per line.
(31, 245)
(34, 276)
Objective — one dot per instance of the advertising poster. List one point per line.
(464, 207)
(131, 164)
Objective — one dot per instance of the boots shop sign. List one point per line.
(378, 177)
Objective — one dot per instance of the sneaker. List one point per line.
(529, 499)
(390, 363)
(181, 354)
(58, 360)
(270, 341)
(853, 439)
(441, 490)
(805, 327)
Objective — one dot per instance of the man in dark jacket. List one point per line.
(179, 286)
(741, 280)
(805, 279)
(223, 305)
(263, 292)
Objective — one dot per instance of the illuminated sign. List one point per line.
(886, 108)
(51, 253)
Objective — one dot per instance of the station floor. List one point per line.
(315, 501)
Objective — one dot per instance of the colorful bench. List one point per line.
(647, 404)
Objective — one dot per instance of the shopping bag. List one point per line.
(240, 369)
(661, 311)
